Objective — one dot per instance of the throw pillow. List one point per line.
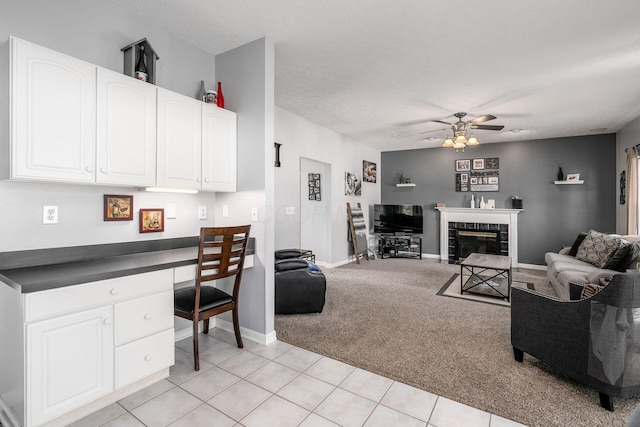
(624, 257)
(597, 248)
(590, 289)
(576, 244)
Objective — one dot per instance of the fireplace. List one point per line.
(503, 222)
(473, 241)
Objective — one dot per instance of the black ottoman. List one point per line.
(297, 288)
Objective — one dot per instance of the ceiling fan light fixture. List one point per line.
(448, 142)
(460, 139)
(473, 140)
(458, 145)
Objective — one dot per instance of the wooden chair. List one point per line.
(221, 254)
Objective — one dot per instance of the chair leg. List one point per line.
(518, 355)
(606, 401)
(196, 353)
(205, 325)
(236, 328)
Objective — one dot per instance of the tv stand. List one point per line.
(400, 247)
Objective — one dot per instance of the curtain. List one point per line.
(632, 191)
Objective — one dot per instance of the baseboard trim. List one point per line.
(251, 335)
(532, 266)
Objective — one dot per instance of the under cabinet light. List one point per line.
(170, 190)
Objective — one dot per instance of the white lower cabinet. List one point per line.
(69, 362)
(86, 341)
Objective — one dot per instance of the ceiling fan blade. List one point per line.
(487, 127)
(481, 119)
(444, 123)
(429, 131)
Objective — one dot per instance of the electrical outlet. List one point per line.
(49, 214)
(290, 210)
(202, 212)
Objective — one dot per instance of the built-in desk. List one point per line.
(84, 327)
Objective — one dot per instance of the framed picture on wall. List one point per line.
(492, 163)
(118, 208)
(478, 164)
(463, 165)
(151, 220)
(369, 171)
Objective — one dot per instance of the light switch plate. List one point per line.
(202, 212)
(170, 212)
(290, 210)
(254, 214)
(225, 211)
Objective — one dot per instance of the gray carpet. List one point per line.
(385, 316)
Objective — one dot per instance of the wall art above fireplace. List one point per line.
(478, 175)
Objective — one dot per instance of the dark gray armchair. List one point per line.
(596, 340)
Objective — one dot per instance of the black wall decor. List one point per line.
(277, 162)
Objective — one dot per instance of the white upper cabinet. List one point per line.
(179, 141)
(219, 151)
(126, 145)
(53, 121)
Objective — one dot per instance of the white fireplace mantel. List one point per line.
(485, 216)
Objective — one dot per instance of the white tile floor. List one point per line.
(280, 385)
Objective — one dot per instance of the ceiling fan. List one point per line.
(461, 128)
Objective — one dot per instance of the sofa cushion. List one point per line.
(597, 248)
(599, 275)
(553, 257)
(567, 276)
(558, 267)
(624, 257)
(576, 244)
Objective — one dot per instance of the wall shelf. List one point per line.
(581, 181)
(412, 184)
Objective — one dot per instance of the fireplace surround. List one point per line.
(503, 221)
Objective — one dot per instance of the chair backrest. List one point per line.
(221, 254)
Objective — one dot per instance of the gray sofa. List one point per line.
(563, 269)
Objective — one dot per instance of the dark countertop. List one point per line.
(43, 269)
(40, 278)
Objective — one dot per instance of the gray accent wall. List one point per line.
(553, 215)
(246, 73)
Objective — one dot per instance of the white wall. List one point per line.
(95, 31)
(625, 138)
(301, 138)
(315, 226)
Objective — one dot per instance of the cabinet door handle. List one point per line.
(107, 321)
(103, 171)
(113, 292)
(206, 180)
(89, 169)
(198, 179)
(147, 357)
(147, 316)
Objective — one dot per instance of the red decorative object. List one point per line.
(220, 96)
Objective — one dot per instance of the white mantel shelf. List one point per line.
(487, 216)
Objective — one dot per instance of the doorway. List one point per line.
(315, 208)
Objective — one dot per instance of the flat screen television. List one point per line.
(397, 219)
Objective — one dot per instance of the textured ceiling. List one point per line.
(378, 71)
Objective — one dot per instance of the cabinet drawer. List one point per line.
(143, 316)
(144, 357)
(40, 305)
